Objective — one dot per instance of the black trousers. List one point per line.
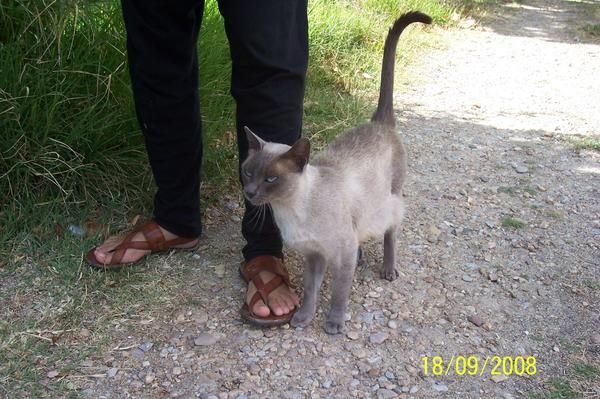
(269, 50)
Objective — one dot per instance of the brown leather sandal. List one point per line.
(154, 242)
(249, 272)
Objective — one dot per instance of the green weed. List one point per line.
(592, 29)
(587, 371)
(514, 223)
(588, 143)
(554, 214)
(507, 190)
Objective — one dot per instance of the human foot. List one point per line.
(270, 299)
(282, 300)
(122, 250)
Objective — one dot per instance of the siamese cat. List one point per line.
(348, 193)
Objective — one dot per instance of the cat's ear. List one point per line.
(299, 153)
(255, 143)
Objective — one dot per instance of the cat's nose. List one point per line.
(250, 190)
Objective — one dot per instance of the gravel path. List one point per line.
(488, 129)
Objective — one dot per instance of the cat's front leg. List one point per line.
(341, 285)
(314, 270)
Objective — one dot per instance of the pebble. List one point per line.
(53, 374)
(440, 387)
(393, 324)
(359, 353)
(367, 317)
(327, 384)
(414, 389)
(255, 334)
(493, 276)
(478, 321)
(76, 230)
(84, 333)
(146, 346)
(471, 266)
(596, 339)
(232, 205)
(177, 371)
(383, 393)
(467, 278)
(220, 271)
(353, 335)
(411, 370)
(378, 338)
(205, 339)
(200, 316)
(499, 378)
(111, 372)
(520, 168)
(149, 378)
(137, 353)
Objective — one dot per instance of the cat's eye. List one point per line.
(246, 173)
(271, 179)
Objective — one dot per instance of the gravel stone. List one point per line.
(520, 168)
(440, 387)
(478, 321)
(112, 372)
(378, 338)
(149, 378)
(386, 394)
(205, 339)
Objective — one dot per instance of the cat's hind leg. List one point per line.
(314, 270)
(360, 259)
(389, 271)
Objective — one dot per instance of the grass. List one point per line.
(507, 190)
(592, 29)
(588, 143)
(512, 222)
(72, 153)
(554, 214)
(578, 383)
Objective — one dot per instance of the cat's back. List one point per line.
(362, 143)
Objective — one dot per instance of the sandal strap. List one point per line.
(251, 270)
(262, 263)
(154, 241)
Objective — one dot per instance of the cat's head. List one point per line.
(272, 171)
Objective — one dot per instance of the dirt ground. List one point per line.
(499, 253)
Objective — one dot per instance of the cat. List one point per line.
(349, 192)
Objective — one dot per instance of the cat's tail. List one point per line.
(385, 112)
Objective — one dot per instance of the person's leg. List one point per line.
(269, 50)
(161, 48)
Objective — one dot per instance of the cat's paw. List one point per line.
(389, 275)
(302, 317)
(334, 327)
